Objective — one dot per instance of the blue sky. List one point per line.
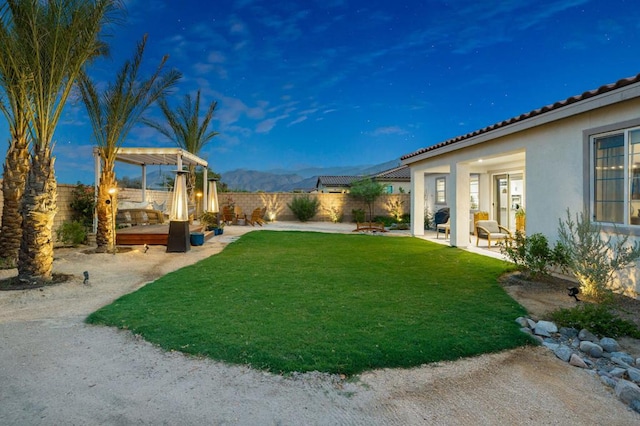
(335, 82)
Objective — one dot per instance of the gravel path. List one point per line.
(56, 370)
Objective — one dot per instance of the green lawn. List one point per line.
(303, 301)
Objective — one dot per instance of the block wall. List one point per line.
(276, 203)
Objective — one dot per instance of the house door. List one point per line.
(500, 200)
(508, 198)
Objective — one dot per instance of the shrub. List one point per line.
(334, 213)
(532, 254)
(592, 259)
(598, 319)
(395, 208)
(83, 204)
(358, 215)
(72, 233)
(388, 221)
(304, 207)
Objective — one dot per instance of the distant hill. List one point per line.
(289, 180)
(272, 180)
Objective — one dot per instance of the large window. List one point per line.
(441, 193)
(616, 188)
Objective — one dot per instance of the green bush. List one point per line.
(532, 254)
(72, 233)
(358, 215)
(83, 204)
(304, 207)
(598, 319)
(387, 220)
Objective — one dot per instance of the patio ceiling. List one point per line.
(158, 156)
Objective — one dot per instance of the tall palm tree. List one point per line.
(185, 129)
(55, 40)
(113, 113)
(13, 80)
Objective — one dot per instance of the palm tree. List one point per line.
(55, 39)
(113, 113)
(185, 129)
(13, 81)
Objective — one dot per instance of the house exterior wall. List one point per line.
(556, 167)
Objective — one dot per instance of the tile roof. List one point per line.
(536, 112)
(400, 173)
(336, 180)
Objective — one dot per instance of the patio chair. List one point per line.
(491, 230)
(257, 216)
(444, 227)
(228, 216)
(240, 218)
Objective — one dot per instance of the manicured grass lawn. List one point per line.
(299, 301)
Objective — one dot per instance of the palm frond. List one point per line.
(183, 125)
(118, 108)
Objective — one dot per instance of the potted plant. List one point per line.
(520, 219)
(209, 220)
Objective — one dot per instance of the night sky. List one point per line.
(334, 83)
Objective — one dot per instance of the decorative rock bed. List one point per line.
(602, 356)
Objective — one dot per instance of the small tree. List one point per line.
(368, 191)
(592, 259)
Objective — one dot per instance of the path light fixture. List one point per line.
(179, 238)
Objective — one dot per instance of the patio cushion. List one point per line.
(489, 225)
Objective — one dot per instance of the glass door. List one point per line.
(508, 198)
(501, 200)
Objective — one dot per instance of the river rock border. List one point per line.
(599, 356)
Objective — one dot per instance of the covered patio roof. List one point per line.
(144, 157)
(157, 156)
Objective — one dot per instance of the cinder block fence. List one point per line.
(331, 205)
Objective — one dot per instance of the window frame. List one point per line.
(441, 195)
(627, 212)
(473, 176)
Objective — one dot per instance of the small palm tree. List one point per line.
(54, 41)
(13, 80)
(113, 113)
(186, 130)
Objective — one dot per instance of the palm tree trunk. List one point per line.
(16, 170)
(106, 207)
(39, 207)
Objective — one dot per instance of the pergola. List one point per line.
(144, 157)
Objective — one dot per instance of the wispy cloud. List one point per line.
(297, 121)
(267, 125)
(389, 130)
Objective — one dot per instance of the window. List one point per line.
(441, 196)
(616, 174)
(388, 189)
(474, 191)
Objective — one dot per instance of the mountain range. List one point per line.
(277, 180)
(289, 180)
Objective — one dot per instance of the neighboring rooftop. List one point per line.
(400, 173)
(337, 181)
(536, 112)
